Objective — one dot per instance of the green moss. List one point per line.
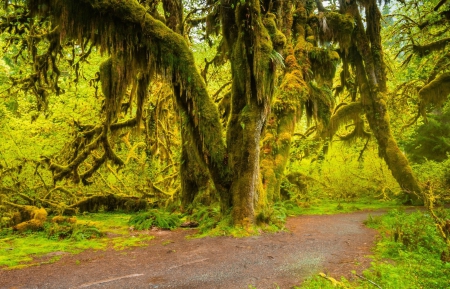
(336, 27)
(278, 38)
(344, 115)
(323, 62)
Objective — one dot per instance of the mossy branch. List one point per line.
(436, 91)
(160, 47)
(343, 115)
(424, 50)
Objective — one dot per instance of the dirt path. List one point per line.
(333, 244)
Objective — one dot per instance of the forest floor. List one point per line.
(333, 244)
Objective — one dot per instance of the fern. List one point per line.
(155, 218)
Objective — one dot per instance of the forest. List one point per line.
(122, 117)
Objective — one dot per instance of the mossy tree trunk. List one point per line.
(292, 94)
(371, 78)
(253, 73)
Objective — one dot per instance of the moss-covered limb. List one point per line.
(378, 118)
(110, 202)
(441, 64)
(124, 124)
(98, 162)
(363, 46)
(60, 189)
(7, 190)
(358, 132)
(96, 130)
(125, 28)
(426, 49)
(436, 91)
(26, 198)
(81, 152)
(61, 172)
(343, 115)
(111, 155)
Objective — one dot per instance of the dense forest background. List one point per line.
(239, 107)
(123, 116)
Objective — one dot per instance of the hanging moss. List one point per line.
(436, 91)
(344, 115)
(324, 62)
(336, 27)
(137, 42)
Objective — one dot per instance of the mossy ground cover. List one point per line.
(330, 207)
(94, 231)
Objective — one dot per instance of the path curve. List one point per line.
(334, 244)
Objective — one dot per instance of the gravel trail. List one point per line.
(334, 244)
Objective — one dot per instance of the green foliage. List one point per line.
(410, 232)
(431, 139)
(155, 218)
(348, 172)
(274, 215)
(413, 244)
(435, 176)
(207, 216)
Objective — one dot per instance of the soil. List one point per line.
(333, 244)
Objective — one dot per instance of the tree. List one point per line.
(143, 44)
(423, 87)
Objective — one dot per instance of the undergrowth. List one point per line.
(155, 218)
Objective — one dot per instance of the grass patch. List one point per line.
(330, 207)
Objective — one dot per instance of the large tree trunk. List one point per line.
(253, 78)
